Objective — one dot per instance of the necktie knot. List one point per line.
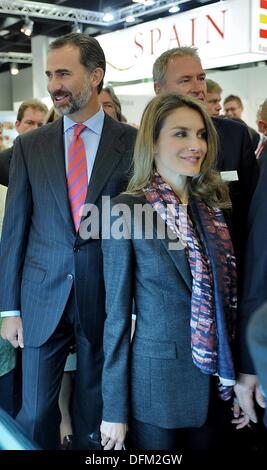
(78, 128)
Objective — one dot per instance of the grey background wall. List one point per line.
(6, 101)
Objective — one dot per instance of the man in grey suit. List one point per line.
(31, 115)
(51, 276)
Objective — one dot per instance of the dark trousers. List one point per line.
(216, 434)
(7, 392)
(42, 371)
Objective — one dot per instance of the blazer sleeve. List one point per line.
(15, 231)
(118, 275)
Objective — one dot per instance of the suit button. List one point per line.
(70, 277)
(76, 249)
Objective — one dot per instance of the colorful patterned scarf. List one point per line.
(214, 293)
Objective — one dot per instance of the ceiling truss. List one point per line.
(56, 12)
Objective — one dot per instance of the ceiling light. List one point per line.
(174, 9)
(76, 28)
(14, 70)
(108, 17)
(27, 27)
(130, 19)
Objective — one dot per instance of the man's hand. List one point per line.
(244, 411)
(12, 331)
(113, 435)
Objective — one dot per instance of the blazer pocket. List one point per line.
(35, 274)
(155, 349)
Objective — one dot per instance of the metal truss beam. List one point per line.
(20, 58)
(56, 12)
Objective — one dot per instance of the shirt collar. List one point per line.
(94, 123)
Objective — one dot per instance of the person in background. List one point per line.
(213, 98)
(254, 292)
(233, 109)
(31, 115)
(257, 342)
(52, 287)
(110, 103)
(170, 378)
(261, 152)
(233, 106)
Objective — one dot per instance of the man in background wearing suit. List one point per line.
(261, 152)
(179, 70)
(51, 276)
(31, 115)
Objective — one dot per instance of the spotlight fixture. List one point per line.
(130, 19)
(14, 70)
(76, 28)
(27, 27)
(108, 17)
(174, 9)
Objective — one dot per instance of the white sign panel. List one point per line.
(259, 26)
(221, 32)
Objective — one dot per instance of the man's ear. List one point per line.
(96, 77)
(157, 88)
(262, 126)
(17, 123)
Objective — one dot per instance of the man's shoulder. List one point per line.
(45, 131)
(229, 126)
(6, 154)
(120, 127)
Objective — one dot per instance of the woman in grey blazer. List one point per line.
(168, 250)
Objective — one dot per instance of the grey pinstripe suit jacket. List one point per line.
(154, 378)
(41, 255)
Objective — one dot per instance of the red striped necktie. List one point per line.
(77, 174)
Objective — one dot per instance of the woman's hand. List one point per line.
(247, 391)
(113, 435)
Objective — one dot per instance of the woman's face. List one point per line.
(181, 146)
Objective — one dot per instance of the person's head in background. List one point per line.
(110, 103)
(233, 106)
(213, 98)
(262, 118)
(178, 140)
(179, 70)
(31, 115)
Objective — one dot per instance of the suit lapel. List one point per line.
(54, 163)
(110, 151)
(179, 258)
(173, 248)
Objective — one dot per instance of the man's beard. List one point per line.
(76, 102)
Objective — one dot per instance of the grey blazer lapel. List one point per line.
(54, 163)
(174, 250)
(110, 150)
(172, 245)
